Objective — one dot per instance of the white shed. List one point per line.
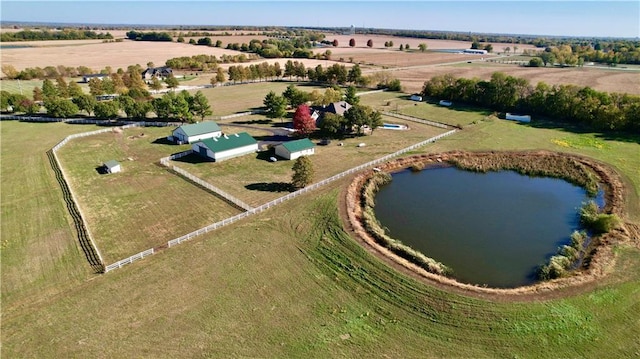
(520, 118)
(225, 147)
(294, 149)
(196, 132)
(112, 166)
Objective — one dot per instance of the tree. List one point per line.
(390, 43)
(406, 47)
(332, 124)
(506, 49)
(350, 96)
(303, 123)
(355, 74)
(335, 43)
(74, 89)
(95, 87)
(60, 107)
(171, 81)
(294, 96)
(535, 62)
(369, 43)
(156, 84)
(401, 47)
(302, 172)
(276, 105)
(488, 47)
(218, 43)
(422, 47)
(475, 45)
(547, 58)
(107, 109)
(515, 49)
(10, 71)
(359, 116)
(49, 90)
(86, 103)
(352, 42)
(37, 94)
(219, 77)
(199, 106)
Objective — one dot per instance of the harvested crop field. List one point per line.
(396, 58)
(600, 79)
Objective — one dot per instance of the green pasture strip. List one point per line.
(144, 205)
(255, 180)
(291, 283)
(39, 248)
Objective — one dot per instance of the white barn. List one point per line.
(294, 149)
(196, 132)
(112, 166)
(225, 147)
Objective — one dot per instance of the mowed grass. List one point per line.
(227, 100)
(255, 180)
(144, 205)
(39, 249)
(290, 282)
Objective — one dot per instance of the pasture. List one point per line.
(144, 205)
(290, 282)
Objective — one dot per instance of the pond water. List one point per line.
(492, 229)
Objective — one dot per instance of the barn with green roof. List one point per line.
(225, 147)
(294, 149)
(196, 132)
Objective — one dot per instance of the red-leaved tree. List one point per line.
(335, 43)
(303, 123)
(370, 43)
(352, 42)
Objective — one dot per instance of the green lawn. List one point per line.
(144, 205)
(288, 283)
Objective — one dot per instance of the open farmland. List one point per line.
(255, 180)
(144, 205)
(290, 282)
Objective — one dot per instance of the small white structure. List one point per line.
(87, 78)
(519, 118)
(225, 147)
(415, 97)
(445, 103)
(112, 166)
(475, 51)
(294, 149)
(195, 132)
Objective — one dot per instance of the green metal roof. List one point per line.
(196, 129)
(111, 164)
(229, 142)
(298, 145)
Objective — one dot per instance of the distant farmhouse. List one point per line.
(159, 72)
(87, 78)
(195, 132)
(294, 149)
(225, 147)
(338, 108)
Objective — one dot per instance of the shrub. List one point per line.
(597, 222)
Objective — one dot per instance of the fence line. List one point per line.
(416, 119)
(129, 260)
(165, 162)
(254, 112)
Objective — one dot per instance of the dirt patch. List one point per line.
(602, 260)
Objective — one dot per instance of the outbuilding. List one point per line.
(294, 149)
(112, 166)
(225, 147)
(196, 132)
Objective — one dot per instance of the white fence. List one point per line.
(415, 119)
(129, 260)
(254, 112)
(165, 162)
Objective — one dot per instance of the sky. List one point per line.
(557, 18)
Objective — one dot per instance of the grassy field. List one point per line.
(290, 282)
(144, 205)
(255, 180)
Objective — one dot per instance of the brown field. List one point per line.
(600, 79)
(396, 58)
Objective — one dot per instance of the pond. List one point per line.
(492, 228)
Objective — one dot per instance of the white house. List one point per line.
(520, 118)
(225, 147)
(294, 149)
(196, 132)
(112, 166)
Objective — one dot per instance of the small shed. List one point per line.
(294, 149)
(445, 103)
(225, 147)
(196, 132)
(415, 97)
(519, 118)
(112, 166)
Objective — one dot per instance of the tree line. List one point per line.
(148, 36)
(64, 34)
(570, 103)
